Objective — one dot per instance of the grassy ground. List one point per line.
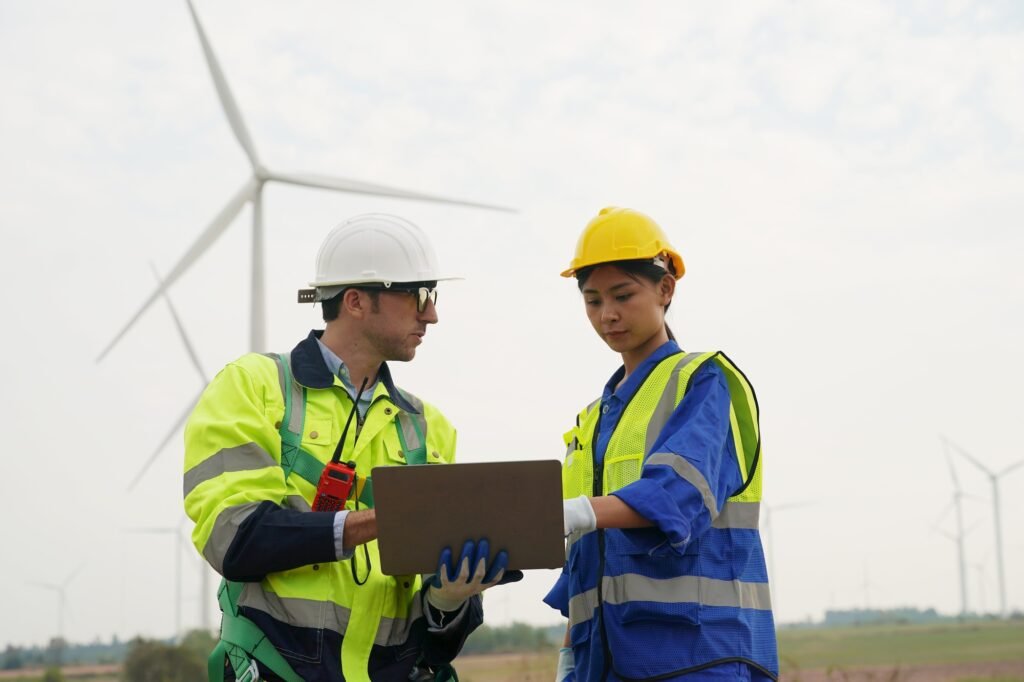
(977, 652)
(895, 645)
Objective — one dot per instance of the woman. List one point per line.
(665, 575)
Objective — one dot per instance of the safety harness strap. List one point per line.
(242, 643)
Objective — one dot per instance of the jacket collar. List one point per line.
(310, 370)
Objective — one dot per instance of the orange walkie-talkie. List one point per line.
(338, 477)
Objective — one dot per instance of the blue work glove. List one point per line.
(453, 584)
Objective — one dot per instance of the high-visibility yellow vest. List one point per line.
(233, 462)
(643, 420)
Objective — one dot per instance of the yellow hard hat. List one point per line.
(622, 234)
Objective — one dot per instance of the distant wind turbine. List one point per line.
(770, 533)
(993, 478)
(62, 598)
(958, 538)
(252, 192)
(204, 614)
(178, 543)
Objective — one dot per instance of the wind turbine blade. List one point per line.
(71, 577)
(205, 240)
(1010, 468)
(46, 586)
(968, 456)
(949, 461)
(227, 100)
(167, 439)
(181, 328)
(360, 187)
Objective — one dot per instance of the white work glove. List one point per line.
(565, 672)
(448, 592)
(579, 515)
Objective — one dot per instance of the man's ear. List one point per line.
(355, 303)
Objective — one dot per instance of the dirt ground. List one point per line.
(949, 672)
(541, 668)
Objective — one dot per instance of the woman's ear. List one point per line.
(667, 289)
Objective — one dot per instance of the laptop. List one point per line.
(421, 509)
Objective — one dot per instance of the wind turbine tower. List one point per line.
(62, 599)
(993, 478)
(958, 495)
(178, 543)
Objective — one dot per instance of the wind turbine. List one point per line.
(957, 504)
(204, 614)
(178, 542)
(251, 191)
(768, 510)
(61, 591)
(993, 477)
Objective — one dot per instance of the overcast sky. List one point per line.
(845, 182)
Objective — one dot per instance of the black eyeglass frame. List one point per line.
(423, 291)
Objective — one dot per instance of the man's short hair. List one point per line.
(332, 306)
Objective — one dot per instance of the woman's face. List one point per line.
(626, 312)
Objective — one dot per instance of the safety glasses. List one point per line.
(422, 294)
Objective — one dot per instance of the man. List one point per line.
(302, 600)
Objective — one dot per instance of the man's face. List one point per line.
(394, 327)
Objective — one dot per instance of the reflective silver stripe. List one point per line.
(224, 529)
(395, 631)
(311, 613)
(571, 540)
(633, 587)
(666, 404)
(304, 613)
(295, 422)
(247, 457)
(298, 405)
(744, 515)
(582, 606)
(688, 588)
(297, 502)
(688, 473)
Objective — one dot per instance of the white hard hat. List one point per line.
(373, 248)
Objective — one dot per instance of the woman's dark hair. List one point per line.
(643, 268)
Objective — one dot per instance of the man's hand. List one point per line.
(454, 584)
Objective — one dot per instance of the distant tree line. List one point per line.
(145, 660)
(898, 616)
(60, 652)
(514, 638)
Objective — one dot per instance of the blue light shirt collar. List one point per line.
(338, 369)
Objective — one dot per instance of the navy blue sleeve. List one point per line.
(443, 646)
(273, 539)
(692, 468)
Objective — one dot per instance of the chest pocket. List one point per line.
(318, 436)
(577, 471)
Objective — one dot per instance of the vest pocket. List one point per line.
(654, 583)
(577, 474)
(621, 470)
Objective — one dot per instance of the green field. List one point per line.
(901, 645)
